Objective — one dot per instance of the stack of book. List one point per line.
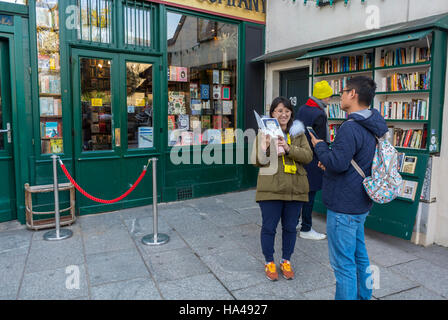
(410, 138)
(406, 81)
(416, 109)
(343, 64)
(401, 56)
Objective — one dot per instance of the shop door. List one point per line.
(294, 85)
(116, 126)
(7, 185)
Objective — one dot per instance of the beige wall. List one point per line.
(290, 24)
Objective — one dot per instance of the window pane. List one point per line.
(137, 19)
(96, 104)
(95, 20)
(48, 63)
(139, 105)
(202, 82)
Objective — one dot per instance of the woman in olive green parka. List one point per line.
(282, 185)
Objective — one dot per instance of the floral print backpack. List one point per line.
(384, 183)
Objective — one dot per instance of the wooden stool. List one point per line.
(48, 223)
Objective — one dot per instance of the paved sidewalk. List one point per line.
(214, 253)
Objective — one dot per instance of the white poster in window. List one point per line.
(145, 137)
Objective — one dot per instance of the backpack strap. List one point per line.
(358, 168)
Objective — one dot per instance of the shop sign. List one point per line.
(249, 10)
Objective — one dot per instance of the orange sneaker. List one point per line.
(271, 271)
(285, 267)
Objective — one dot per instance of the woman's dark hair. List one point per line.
(365, 88)
(287, 103)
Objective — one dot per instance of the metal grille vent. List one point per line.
(184, 193)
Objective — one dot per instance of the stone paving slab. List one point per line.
(214, 253)
(135, 289)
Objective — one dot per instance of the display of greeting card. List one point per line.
(205, 91)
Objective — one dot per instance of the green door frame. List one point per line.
(119, 155)
(7, 190)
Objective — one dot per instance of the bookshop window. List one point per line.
(202, 82)
(96, 104)
(95, 20)
(137, 22)
(25, 2)
(139, 105)
(47, 27)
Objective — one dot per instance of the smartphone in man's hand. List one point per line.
(310, 130)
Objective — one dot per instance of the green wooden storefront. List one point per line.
(109, 173)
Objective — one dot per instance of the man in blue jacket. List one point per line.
(342, 191)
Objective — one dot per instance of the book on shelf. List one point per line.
(49, 84)
(51, 129)
(225, 76)
(196, 107)
(227, 107)
(334, 111)
(195, 122)
(206, 122)
(194, 90)
(410, 138)
(405, 81)
(400, 56)
(176, 102)
(416, 109)
(183, 122)
(344, 64)
(217, 122)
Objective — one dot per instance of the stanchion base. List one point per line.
(150, 241)
(63, 234)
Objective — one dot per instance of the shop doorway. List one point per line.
(294, 85)
(116, 114)
(7, 185)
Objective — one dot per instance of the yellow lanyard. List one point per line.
(287, 167)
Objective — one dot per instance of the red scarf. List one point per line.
(312, 103)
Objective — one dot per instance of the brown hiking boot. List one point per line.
(286, 269)
(271, 271)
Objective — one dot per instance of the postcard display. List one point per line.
(201, 108)
(402, 73)
(47, 29)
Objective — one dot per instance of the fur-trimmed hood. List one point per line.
(297, 128)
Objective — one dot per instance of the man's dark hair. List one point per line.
(365, 88)
(287, 103)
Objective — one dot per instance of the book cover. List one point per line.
(186, 138)
(215, 76)
(409, 164)
(217, 106)
(409, 189)
(205, 91)
(217, 122)
(206, 123)
(229, 136)
(56, 146)
(227, 106)
(225, 77)
(51, 130)
(176, 102)
(225, 94)
(194, 90)
(212, 136)
(183, 122)
(408, 138)
(195, 122)
(57, 107)
(216, 91)
(171, 122)
(46, 106)
(196, 107)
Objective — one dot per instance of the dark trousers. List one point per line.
(307, 211)
(272, 212)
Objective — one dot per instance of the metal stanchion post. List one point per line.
(155, 238)
(57, 234)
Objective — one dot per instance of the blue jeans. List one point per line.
(348, 255)
(307, 211)
(271, 212)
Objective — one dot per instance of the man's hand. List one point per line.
(320, 165)
(314, 140)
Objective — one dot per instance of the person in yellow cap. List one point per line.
(313, 114)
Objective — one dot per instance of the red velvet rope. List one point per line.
(124, 195)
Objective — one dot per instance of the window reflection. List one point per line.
(96, 104)
(202, 83)
(139, 105)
